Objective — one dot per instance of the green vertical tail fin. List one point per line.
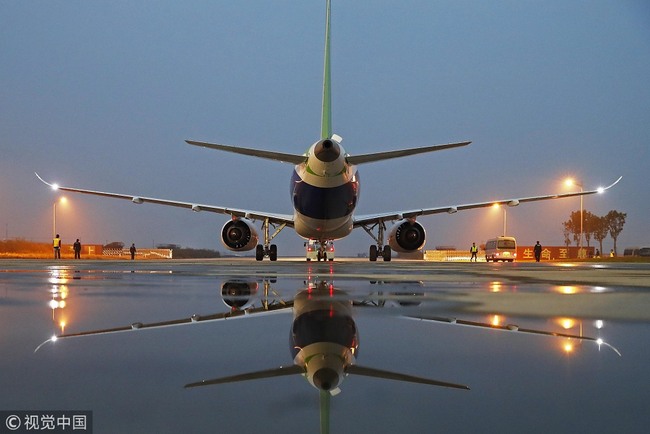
(326, 118)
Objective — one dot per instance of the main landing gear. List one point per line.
(267, 249)
(379, 250)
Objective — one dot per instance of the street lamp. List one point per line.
(61, 200)
(573, 183)
(505, 216)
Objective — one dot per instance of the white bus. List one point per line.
(501, 249)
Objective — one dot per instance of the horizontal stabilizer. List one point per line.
(270, 155)
(387, 375)
(282, 371)
(378, 156)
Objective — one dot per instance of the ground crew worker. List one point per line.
(77, 249)
(474, 251)
(56, 243)
(538, 251)
(132, 250)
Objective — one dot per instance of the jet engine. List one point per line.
(406, 236)
(239, 234)
(239, 294)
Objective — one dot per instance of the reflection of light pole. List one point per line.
(571, 182)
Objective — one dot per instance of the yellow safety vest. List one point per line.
(57, 243)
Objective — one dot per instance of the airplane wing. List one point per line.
(378, 156)
(283, 307)
(509, 328)
(270, 155)
(362, 220)
(251, 214)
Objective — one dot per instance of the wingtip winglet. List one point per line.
(52, 186)
(616, 182)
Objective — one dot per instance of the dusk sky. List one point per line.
(102, 95)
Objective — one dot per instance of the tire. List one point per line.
(259, 252)
(273, 252)
(373, 253)
(387, 253)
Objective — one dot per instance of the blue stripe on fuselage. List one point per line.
(324, 203)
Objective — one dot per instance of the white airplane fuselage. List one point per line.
(324, 192)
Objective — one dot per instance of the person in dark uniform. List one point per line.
(132, 250)
(77, 249)
(538, 251)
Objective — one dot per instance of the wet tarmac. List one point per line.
(133, 381)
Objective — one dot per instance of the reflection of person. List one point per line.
(538, 251)
(611, 253)
(473, 250)
(597, 253)
(77, 249)
(56, 243)
(132, 250)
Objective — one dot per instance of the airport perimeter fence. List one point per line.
(451, 255)
(140, 254)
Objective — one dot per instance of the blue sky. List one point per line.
(102, 96)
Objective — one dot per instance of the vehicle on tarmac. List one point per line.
(317, 251)
(501, 249)
(637, 251)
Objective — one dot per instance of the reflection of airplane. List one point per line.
(324, 340)
(324, 193)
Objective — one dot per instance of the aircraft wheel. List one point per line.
(386, 254)
(373, 253)
(273, 252)
(259, 252)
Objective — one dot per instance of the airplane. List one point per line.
(324, 338)
(324, 192)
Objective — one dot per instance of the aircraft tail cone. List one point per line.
(327, 151)
(326, 379)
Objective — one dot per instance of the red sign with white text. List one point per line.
(527, 253)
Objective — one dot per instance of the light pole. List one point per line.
(572, 183)
(62, 200)
(505, 217)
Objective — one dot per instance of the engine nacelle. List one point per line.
(239, 235)
(239, 294)
(406, 236)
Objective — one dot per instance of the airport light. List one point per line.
(505, 216)
(62, 200)
(570, 182)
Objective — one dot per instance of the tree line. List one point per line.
(593, 226)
